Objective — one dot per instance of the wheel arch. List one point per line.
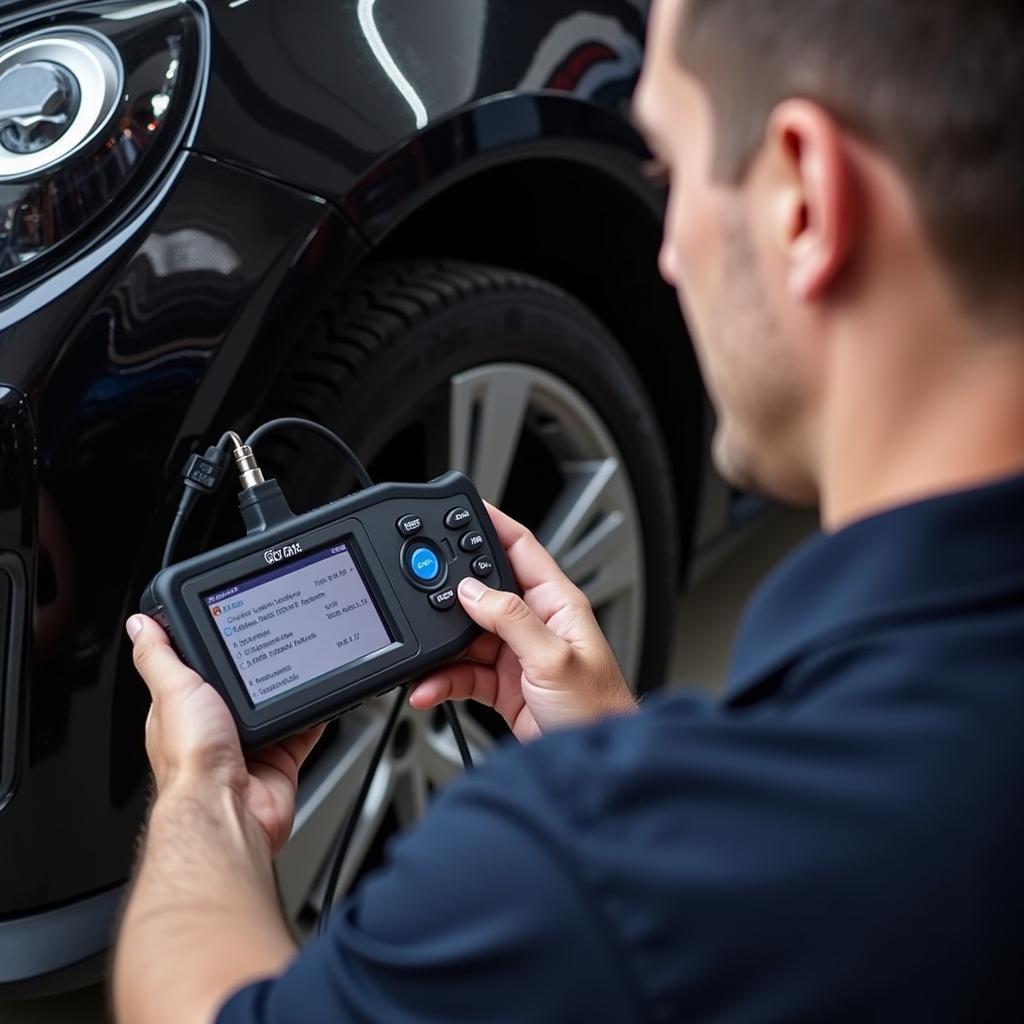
(579, 216)
(550, 185)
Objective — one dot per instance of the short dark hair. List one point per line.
(938, 85)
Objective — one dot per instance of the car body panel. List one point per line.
(317, 94)
(138, 359)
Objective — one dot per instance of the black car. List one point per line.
(424, 225)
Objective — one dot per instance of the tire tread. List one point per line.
(375, 310)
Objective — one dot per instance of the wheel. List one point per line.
(427, 365)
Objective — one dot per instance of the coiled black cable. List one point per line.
(297, 422)
(349, 831)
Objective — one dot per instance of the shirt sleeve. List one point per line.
(478, 916)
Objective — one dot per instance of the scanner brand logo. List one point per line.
(273, 555)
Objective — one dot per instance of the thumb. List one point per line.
(161, 669)
(540, 651)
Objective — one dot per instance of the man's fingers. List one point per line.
(298, 747)
(484, 649)
(161, 669)
(539, 650)
(465, 680)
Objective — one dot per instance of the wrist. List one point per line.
(184, 785)
(620, 701)
(204, 776)
(625, 702)
(206, 862)
(214, 811)
(615, 696)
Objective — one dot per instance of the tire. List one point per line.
(422, 366)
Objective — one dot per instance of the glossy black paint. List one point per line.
(507, 131)
(312, 93)
(172, 323)
(143, 360)
(17, 569)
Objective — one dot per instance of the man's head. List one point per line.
(830, 161)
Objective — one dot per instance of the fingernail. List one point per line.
(134, 627)
(471, 589)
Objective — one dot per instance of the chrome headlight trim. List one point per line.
(97, 68)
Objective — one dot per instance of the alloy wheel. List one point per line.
(589, 522)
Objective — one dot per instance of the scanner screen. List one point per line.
(310, 615)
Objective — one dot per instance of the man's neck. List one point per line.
(910, 419)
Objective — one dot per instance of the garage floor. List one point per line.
(706, 620)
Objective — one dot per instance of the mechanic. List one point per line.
(840, 837)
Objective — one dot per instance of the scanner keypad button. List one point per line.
(483, 566)
(458, 518)
(472, 541)
(408, 525)
(443, 599)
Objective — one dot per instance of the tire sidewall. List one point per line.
(545, 329)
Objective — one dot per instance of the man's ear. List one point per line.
(815, 209)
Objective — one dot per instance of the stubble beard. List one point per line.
(754, 383)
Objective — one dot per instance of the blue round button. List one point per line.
(424, 564)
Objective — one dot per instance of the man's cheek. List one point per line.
(669, 263)
(694, 259)
(693, 239)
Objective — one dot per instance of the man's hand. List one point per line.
(544, 662)
(203, 917)
(191, 739)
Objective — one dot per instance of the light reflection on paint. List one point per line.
(387, 62)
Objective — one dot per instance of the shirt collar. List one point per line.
(926, 558)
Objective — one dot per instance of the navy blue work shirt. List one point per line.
(839, 839)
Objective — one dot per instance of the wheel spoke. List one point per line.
(410, 797)
(599, 547)
(486, 416)
(589, 534)
(480, 741)
(612, 579)
(371, 822)
(375, 811)
(323, 801)
(441, 759)
(584, 496)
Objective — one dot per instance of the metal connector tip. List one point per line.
(249, 472)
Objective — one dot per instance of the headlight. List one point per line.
(91, 107)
